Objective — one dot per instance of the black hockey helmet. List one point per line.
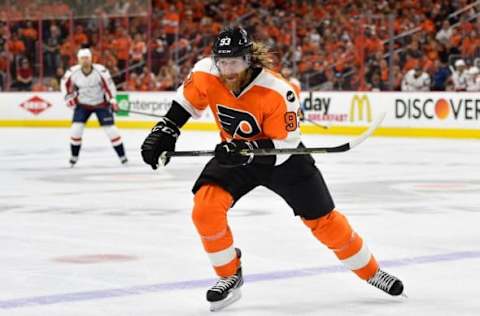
(232, 42)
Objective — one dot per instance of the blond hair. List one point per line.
(261, 56)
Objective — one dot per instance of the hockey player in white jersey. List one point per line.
(460, 75)
(89, 88)
(473, 81)
(416, 80)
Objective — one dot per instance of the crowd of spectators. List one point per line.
(329, 44)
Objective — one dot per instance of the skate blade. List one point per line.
(234, 296)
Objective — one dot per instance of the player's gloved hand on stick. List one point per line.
(70, 100)
(114, 105)
(228, 153)
(161, 139)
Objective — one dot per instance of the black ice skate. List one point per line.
(73, 160)
(123, 160)
(227, 290)
(387, 283)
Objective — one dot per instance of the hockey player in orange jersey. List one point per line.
(254, 107)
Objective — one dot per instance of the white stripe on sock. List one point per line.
(222, 257)
(358, 260)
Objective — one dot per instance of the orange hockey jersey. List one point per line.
(266, 109)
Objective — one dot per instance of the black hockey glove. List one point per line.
(228, 153)
(162, 138)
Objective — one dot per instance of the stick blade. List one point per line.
(378, 121)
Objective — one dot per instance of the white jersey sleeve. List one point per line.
(474, 84)
(406, 81)
(459, 80)
(424, 82)
(106, 81)
(67, 87)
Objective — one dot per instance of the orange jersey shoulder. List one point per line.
(266, 108)
(192, 94)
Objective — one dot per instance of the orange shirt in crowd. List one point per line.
(121, 47)
(3, 63)
(80, 38)
(273, 31)
(96, 53)
(468, 46)
(410, 64)
(30, 33)
(138, 49)
(108, 59)
(456, 39)
(160, 4)
(171, 22)
(16, 47)
(131, 84)
(428, 65)
(428, 26)
(68, 49)
(373, 45)
(216, 27)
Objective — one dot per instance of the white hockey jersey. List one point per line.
(473, 79)
(93, 89)
(460, 80)
(410, 83)
(473, 84)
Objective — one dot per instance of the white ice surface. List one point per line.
(416, 202)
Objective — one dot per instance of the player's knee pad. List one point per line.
(209, 214)
(113, 133)
(76, 133)
(333, 229)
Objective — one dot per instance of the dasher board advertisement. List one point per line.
(413, 110)
(432, 114)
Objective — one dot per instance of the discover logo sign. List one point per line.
(429, 108)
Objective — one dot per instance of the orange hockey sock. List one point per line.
(334, 231)
(210, 218)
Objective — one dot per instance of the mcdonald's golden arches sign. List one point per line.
(360, 108)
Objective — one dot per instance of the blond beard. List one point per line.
(241, 80)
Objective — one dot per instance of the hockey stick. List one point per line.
(140, 113)
(304, 118)
(317, 124)
(289, 151)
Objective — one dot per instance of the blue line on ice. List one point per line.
(251, 278)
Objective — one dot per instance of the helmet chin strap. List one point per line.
(248, 59)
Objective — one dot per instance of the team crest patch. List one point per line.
(290, 96)
(237, 123)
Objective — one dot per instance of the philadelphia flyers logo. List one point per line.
(237, 123)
